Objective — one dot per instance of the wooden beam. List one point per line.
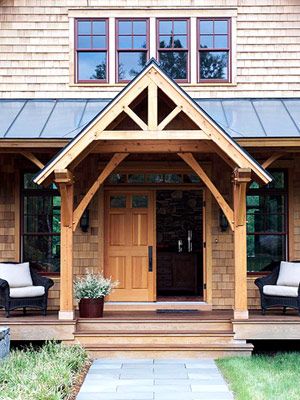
(153, 146)
(31, 157)
(240, 181)
(136, 118)
(269, 142)
(112, 164)
(169, 118)
(192, 162)
(152, 106)
(66, 310)
(272, 159)
(63, 176)
(153, 135)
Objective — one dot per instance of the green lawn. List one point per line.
(47, 373)
(263, 377)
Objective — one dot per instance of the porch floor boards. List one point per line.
(52, 316)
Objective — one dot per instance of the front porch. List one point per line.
(148, 333)
(152, 119)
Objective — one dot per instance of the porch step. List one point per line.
(163, 337)
(153, 325)
(169, 350)
(158, 305)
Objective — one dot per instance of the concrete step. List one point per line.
(157, 337)
(141, 350)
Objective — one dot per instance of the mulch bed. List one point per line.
(79, 381)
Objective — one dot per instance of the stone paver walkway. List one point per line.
(195, 379)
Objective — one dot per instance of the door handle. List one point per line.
(150, 258)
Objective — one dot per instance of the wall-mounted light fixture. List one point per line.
(85, 220)
(223, 222)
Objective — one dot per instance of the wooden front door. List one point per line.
(129, 244)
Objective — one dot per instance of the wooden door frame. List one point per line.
(206, 229)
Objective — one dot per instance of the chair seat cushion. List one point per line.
(282, 291)
(17, 275)
(289, 274)
(27, 291)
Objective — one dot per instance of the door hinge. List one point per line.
(204, 245)
(204, 286)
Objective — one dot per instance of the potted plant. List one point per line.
(90, 291)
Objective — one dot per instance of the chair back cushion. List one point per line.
(17, 275)
(289, 274)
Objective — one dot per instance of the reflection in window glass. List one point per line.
(136, 178)
(91, 48)
(191, 178)
(139, 201)
(173, 47)
(267, 223)
(214, 65)
(91, 66)
(174, 64)
(214, 49)
(154, 178)
(132, 47)
(117, 178)
(41, 225)
(130, 64)
(118, 201)
(173, 178)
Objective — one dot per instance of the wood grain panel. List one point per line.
(140, 228)
(139, 272)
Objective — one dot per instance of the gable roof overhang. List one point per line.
(152, 78)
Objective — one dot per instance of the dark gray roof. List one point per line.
(64, 118)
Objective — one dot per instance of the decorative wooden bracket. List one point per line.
(64, 179)
(272, 159)
(112, 164)
(241, 178)
(31, 157)
(192, 162)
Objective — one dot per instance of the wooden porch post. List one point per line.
(64, 179)
(241, 177)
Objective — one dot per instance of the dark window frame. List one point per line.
(34, 192)
(228, 49)
(130, 50)
(176, 49)
(285, 233)
(91, 49)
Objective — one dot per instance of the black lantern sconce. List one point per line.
(223, 221)
(85, 220)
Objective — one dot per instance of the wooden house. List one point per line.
(158, 143)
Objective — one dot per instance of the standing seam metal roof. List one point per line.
(65, 118)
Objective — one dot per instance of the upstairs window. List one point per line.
(91, 50)
(173, 47)
(132, 37)
(267, 218)
(214, 49)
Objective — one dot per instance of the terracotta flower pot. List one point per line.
(91, 308)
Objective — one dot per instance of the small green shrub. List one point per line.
(44, 374)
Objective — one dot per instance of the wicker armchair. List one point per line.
(40, 285)
(288, 295)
